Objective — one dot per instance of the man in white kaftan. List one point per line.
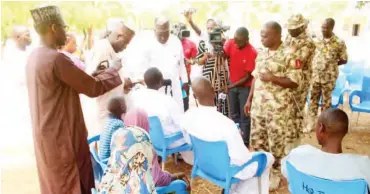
(104, 52)
(206, 123)
(163, 51)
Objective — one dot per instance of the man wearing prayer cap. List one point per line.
(303, 49)
(103, 51)
(54, 84)
(165, 52)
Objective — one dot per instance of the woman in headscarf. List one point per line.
(133, 165)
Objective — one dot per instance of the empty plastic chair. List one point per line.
(364, 95)
(212, 162)
(300, 183)
(355, 77)
(161, 142)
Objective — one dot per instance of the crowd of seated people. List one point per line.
(133, 164)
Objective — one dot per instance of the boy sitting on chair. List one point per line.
(117, 108)
(329, 162)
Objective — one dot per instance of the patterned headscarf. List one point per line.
(137, 117)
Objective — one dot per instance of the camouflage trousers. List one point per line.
(320, 89)
(267, 134)
(297, 117)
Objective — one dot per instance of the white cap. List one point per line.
(113, 22)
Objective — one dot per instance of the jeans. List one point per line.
(238, 97)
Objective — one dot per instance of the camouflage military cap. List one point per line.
(46, 15)
(296, 21)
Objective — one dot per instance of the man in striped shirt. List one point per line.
(117, 108)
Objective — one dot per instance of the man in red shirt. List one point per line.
(190, 52)
(242, 57)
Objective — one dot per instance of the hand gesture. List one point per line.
(266, 76)
(188, 15)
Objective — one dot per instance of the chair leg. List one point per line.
(175, 158)
(259, 185)
(358, 116)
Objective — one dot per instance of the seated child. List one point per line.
(117, 109)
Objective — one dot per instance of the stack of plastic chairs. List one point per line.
(300, 183)
(212, 162)
(364, 94)
(161, 142)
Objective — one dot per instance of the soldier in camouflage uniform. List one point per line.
(330, 53)
(270, 101)
(304, 49)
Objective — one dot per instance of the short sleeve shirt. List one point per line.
(325, 63)
(242, 61)
(269, 97)
(190, 51)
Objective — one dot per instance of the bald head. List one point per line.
(271, 35)
(203, 91)
(327, 27)
(21, 36)
(330, 22)
(153, 78)
(117, 106)
(274, 26)
(335, 121)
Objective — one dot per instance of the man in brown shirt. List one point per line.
(54, 84)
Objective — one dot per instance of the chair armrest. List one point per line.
(93, 139)
(173, 137)
(353, 94)
(258, 157)
(105, 161)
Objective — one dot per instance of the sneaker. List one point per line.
(274, 182)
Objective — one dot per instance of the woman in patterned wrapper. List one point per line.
(133, 165)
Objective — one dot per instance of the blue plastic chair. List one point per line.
(98, 166)
(300, 183)
(354, 78)
(337, 94)
(161, 142)
(177, 186)
(212, 162)
(364, 94)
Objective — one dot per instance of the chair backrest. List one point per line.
(300, 183)
(211, 157)
(357, 72)
(98, 167)
(156, 133)
(365, 88)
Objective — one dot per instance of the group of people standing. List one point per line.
(267, 91)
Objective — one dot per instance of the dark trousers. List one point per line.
(238, 97)
(186, 103)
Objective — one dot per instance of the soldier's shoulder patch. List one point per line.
(298, 64)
